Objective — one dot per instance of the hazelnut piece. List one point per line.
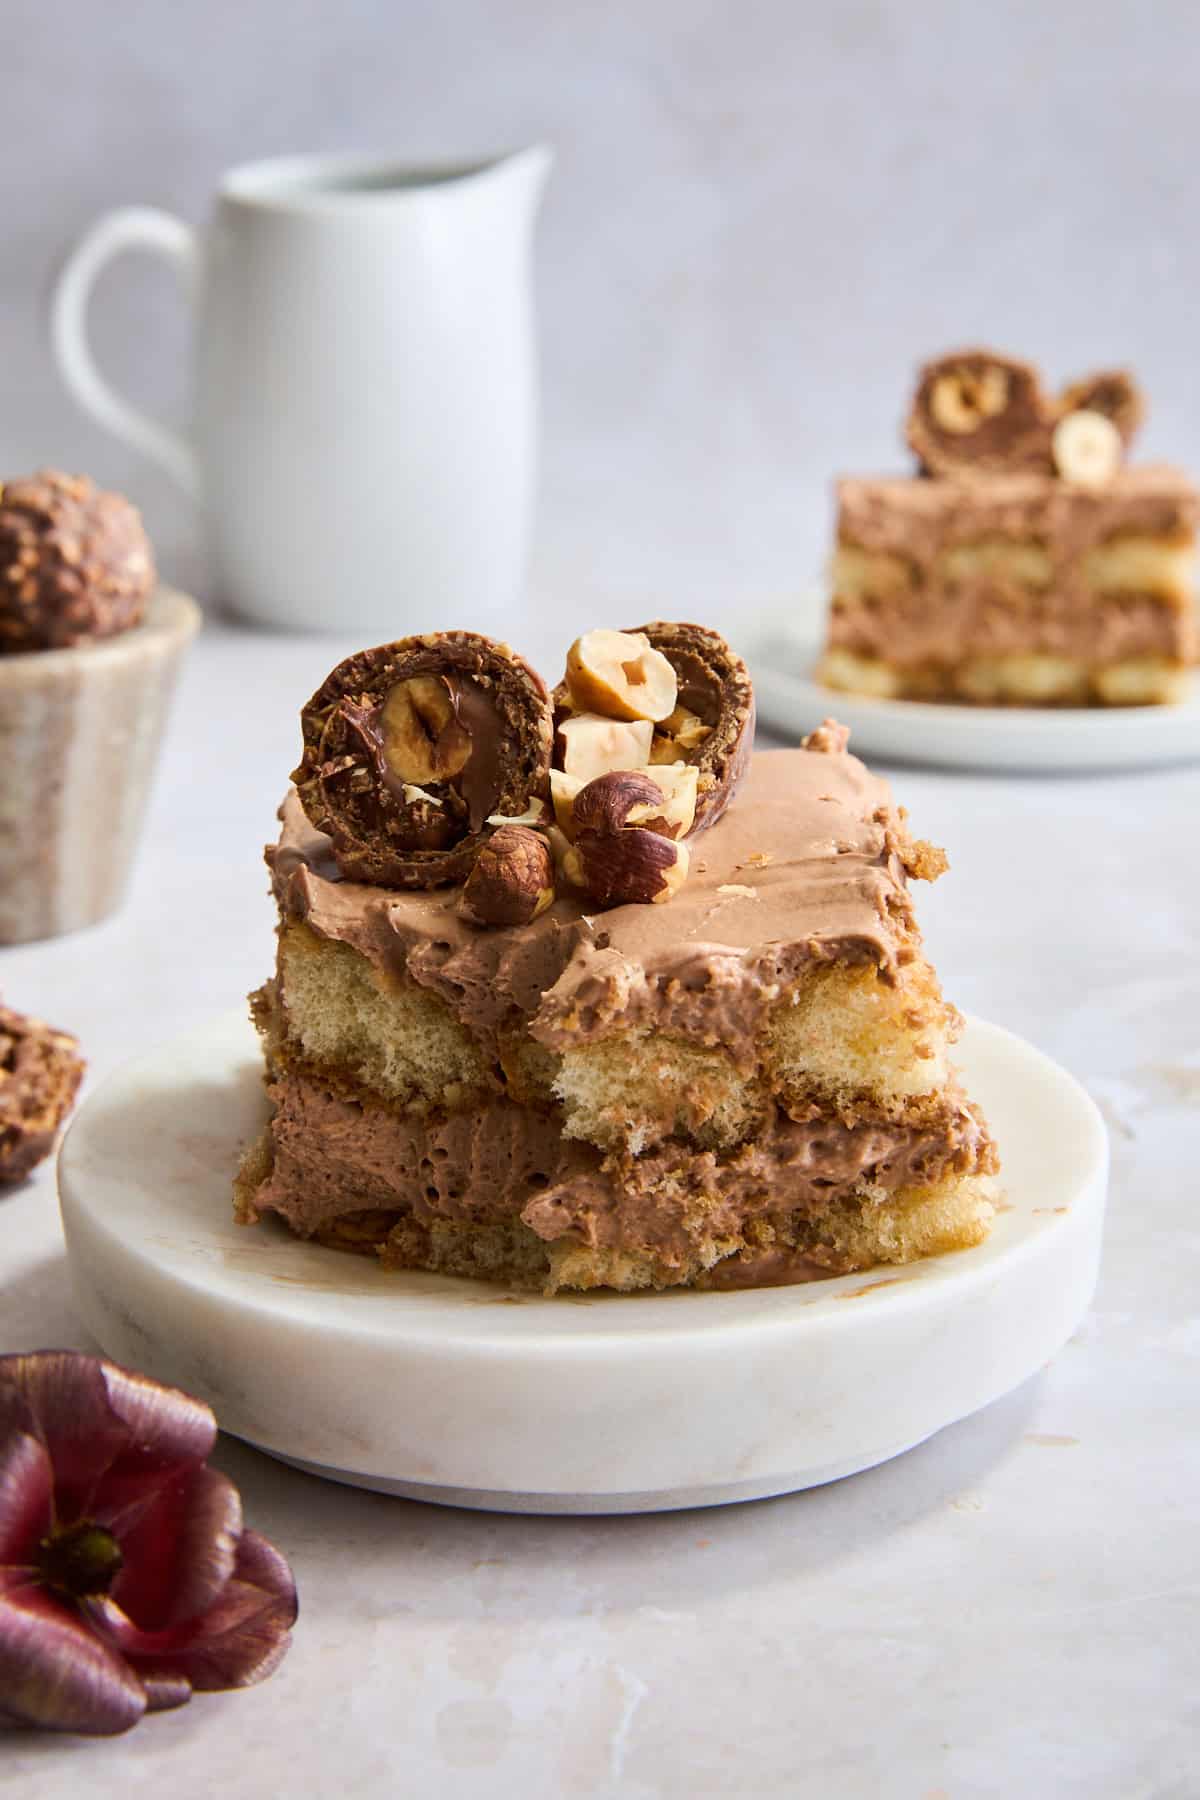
(675, 814)
(563, 791)
(592, 745)
(512, 880)
(606, 803)
(1087, 449)
(664, 803)
(619, 868)
(621, 675)
(683, 732)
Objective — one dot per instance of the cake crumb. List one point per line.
(923, 860)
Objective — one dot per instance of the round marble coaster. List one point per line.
(470, 1394)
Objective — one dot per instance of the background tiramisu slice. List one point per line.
(1026, 564)
(710, 1054)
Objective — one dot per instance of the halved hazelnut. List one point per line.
(592, 745)
(422, 738)
(512, 880)
(620, 674)
(963, 398)
(626, 867)
(1086, 448)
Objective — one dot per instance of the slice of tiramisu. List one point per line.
(683, 1035)
(1027, 563)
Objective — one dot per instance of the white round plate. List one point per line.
(474, 1395)
(1039, 740)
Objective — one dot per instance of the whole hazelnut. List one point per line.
(512, 880)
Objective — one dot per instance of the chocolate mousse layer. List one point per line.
(985, 618)
(504, 1164)
(918, 519)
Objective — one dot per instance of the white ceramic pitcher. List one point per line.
(365, 386)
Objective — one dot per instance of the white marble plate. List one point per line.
(466, 1393)
(1044, 741)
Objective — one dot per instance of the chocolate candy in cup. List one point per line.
(712, 726)
(75, 563)
(977, 413)
(411, 747)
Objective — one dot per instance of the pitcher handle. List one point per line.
(127, 228)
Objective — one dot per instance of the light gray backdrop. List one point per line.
(762, 215)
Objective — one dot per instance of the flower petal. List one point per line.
(240, 1640)
(68, 1397)
(54, 1672)
(166, 1426)
(263, 1566)
(26, 1481)
(180, 1547)
(165, 1692)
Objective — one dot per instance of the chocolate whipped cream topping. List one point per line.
(918, 519)
(502, 1161)
(806, 866)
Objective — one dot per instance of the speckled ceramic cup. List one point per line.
(79, 737)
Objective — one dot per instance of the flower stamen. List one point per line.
(80, 1560)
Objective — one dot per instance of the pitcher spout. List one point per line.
(526, 172)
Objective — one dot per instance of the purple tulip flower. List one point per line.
(127, 1579)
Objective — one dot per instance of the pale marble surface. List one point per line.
(1011, 1608)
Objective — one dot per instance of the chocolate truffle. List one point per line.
(75, 563)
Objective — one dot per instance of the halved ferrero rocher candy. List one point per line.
(711, 726)
(977, 413)
(1111, 392)
(411, 748)
(620, 675)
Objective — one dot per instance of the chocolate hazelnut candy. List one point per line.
(40, 1072)
(75, 563)
(512, 880)
(976, 413)
(411, 747)
(1111, 392)
(712, 725)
